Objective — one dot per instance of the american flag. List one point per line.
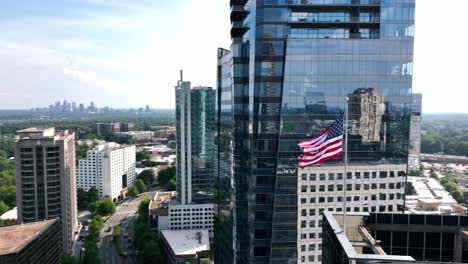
(327, 145)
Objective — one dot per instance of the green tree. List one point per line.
(105, 207)
(205, 261)
(93, 195)
(171, 186)
(3, 207)
(82, 199)
(132, 191)
(143, 208)
(147, 177)
(140, 185)
(69, 259)
(151, 253)
(142, 156)
(116, 231)
(165, 175)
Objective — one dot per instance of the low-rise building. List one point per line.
(166, 214)
(110, 168)
(35, 242)
(186, 246)
(430, 197)
(394, 238)
(369, 188)
(136, 135)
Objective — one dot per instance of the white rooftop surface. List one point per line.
(11, 214)
(185, 242)
(423, 192)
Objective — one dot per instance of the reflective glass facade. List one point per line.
(196, 129)
(292, 63)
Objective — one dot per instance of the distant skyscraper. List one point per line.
(195, 124)
(45, 179)
(291, 65)
(415, 132)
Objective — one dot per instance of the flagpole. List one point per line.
(345, 173)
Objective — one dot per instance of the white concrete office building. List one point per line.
(109, 167)
(369, 188)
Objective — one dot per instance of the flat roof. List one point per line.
(160, 197)
(187, 242)
(13, 238)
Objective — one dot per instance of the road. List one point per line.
(125, 213)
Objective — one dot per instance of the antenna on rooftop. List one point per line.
(199, 236)
(181, 75)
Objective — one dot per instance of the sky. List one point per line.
(126, 53)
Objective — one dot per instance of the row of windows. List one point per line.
(373, 197)
(351, 175)
(381, 208)
(311, 258)
(311, 247)
(192, 209)
(194, 218)
(349, 187)
(189, 214)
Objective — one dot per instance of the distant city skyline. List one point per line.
(125, 55)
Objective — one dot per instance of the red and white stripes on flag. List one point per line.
(327, 145)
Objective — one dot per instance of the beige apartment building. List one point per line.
(45, 179)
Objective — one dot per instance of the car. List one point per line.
(129, 245)
(125, 235)
(129, 240)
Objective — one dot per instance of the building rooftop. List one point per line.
(372, 237)
(186, 242)
(160, 202)
(13, 238)
(431, 197)
(11, 214)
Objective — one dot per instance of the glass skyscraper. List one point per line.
(290, 67)
(196, 130)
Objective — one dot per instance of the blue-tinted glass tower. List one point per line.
(290, 67)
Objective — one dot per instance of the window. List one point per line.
(373, 197)
(312, 188)
(349, 175)
(382, 186)
(382, 197)
(383, 174)
(339, 187)
(303, 200)
(366, 175)
(313, 177)
(321, 188)
(312, 200)
(311, 212)
(311, 235)
(303, 188)
(330, 199)
(303, 236)
(303, 224)
(311, 258)
(303, 248)
(340, 198)
(321, 199)
(374, 174)
(304, 212)
(349, 187)
(374, 186)
(358, 175)
(357, 187)
(322, 177)
(331, 188)
(312, 223)
(311, 247)
(304, 177)
(366, 186)
(331, 176)
(356, 198)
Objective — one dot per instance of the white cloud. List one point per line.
(78, 45)
(91, 78)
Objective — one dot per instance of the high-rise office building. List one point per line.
(45, 179)
(290, 67)
(195, 125)
(110, 168)
(415, 133)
